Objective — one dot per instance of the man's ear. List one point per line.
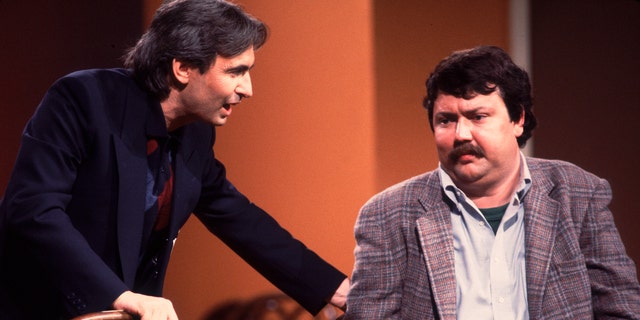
(181, 71)
(519, 125)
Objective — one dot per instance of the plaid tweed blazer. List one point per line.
(576, 264)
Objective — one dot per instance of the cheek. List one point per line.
(227, 85)
(443, 136)
(443, 141)
(218, 86)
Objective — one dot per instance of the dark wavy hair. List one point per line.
(483, 70)
(194, 32)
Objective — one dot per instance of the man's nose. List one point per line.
(463, 130)
(245, 88)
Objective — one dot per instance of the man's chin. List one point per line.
(465, 177)
(218, 122)
(463, 171)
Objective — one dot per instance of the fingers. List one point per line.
(154, 308)
(147, 307)
(339, 299)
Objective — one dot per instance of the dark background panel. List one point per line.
(585, 68)
(41, 41)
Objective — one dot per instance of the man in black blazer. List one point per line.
(114, 161)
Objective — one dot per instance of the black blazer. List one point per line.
(73, 212)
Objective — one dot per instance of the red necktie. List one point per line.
(164, 203)
(164, 198)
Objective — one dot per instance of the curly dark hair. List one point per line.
(482, 70)
(194, 32)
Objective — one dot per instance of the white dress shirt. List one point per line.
(490, 268)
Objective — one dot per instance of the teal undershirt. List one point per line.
(494, 216)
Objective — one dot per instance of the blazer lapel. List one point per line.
(540, 220)
(131, 159)
(185, 181)
(434, 230)
(132, 168)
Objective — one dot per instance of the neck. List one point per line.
(172, 115)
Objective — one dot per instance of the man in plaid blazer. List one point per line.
(490, 234)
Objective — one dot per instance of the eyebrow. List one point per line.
(444, 113)
(464, 113)
(474, 110)
(239, 69)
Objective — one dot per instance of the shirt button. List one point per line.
(501, 300)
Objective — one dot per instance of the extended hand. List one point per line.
(147, 307)
(339, 299)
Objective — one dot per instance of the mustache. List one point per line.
(465, 149)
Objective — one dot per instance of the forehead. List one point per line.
(449, 103)
(246, 58)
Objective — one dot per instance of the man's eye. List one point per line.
(443, 121)
(238, 72)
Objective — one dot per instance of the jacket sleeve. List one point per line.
(258, 239)
(377, 280)
(614, 282)
(40, 232)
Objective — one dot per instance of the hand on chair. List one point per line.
(147, 307)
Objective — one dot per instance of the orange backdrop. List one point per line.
(336, 117)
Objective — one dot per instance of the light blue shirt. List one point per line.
(490, 268)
